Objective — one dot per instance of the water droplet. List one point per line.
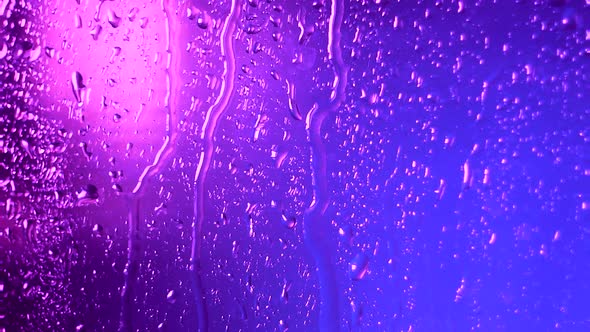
(203, 21)
(359, 266)
(285, 291)
(192, 12)
(77, 86)
(143, 22)
(50, 52)
(117, 188)
(30, 227)
(114, 53)
(289, 222)
(115, 174)
(77, 21)
(87, 195)
(317, 4)
(132, 14)
(97, 228)
(95, 32)
(171, 297)
(235, 248)
(34, 53)
(275, 75)
(114, 20)
(222, 219)
(3, 51)
(293, 107)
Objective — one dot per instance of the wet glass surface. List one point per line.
(266, 165)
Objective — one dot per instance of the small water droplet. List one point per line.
(275, 75)
(289, 222)
(143, 22)
(132, 14)
(171, 296)
(3, 51)
(77, 86)
(77, 21)
(95, 32)
(192, 12)
(117, 188)
(97, 228)
(85, 150)
(50, 52)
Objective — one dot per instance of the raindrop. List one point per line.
(132, 14)
(117, 188)
(3, 51)
(192, 12)
(203, 21)
(293, 107)
(49, 51)
(171, 297)
(143, 22)
(115, 174)
(97, 228)
(85, 150)
(35, 53)
(30, 227)
(95, 32)
(275, 75)
(289, 222)
(77, 21)
(359, 266)
(285, 291)
(283, 326)
(77, 86)
(319, 4)
(114, 20)
(115, 53)
(87, 195)
(346, 232)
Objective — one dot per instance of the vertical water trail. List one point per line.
(131, 272)
(167, 150)
(315, 225)
(212, 117)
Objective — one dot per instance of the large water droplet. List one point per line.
(87, 195)
(114, 20)
(359, 266)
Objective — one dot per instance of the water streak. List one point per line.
(213, 115)
(128, 295)
(316, 227)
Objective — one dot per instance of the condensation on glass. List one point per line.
(332, 165)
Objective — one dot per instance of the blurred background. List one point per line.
(334, 165)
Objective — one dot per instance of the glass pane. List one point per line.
(266, 165)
